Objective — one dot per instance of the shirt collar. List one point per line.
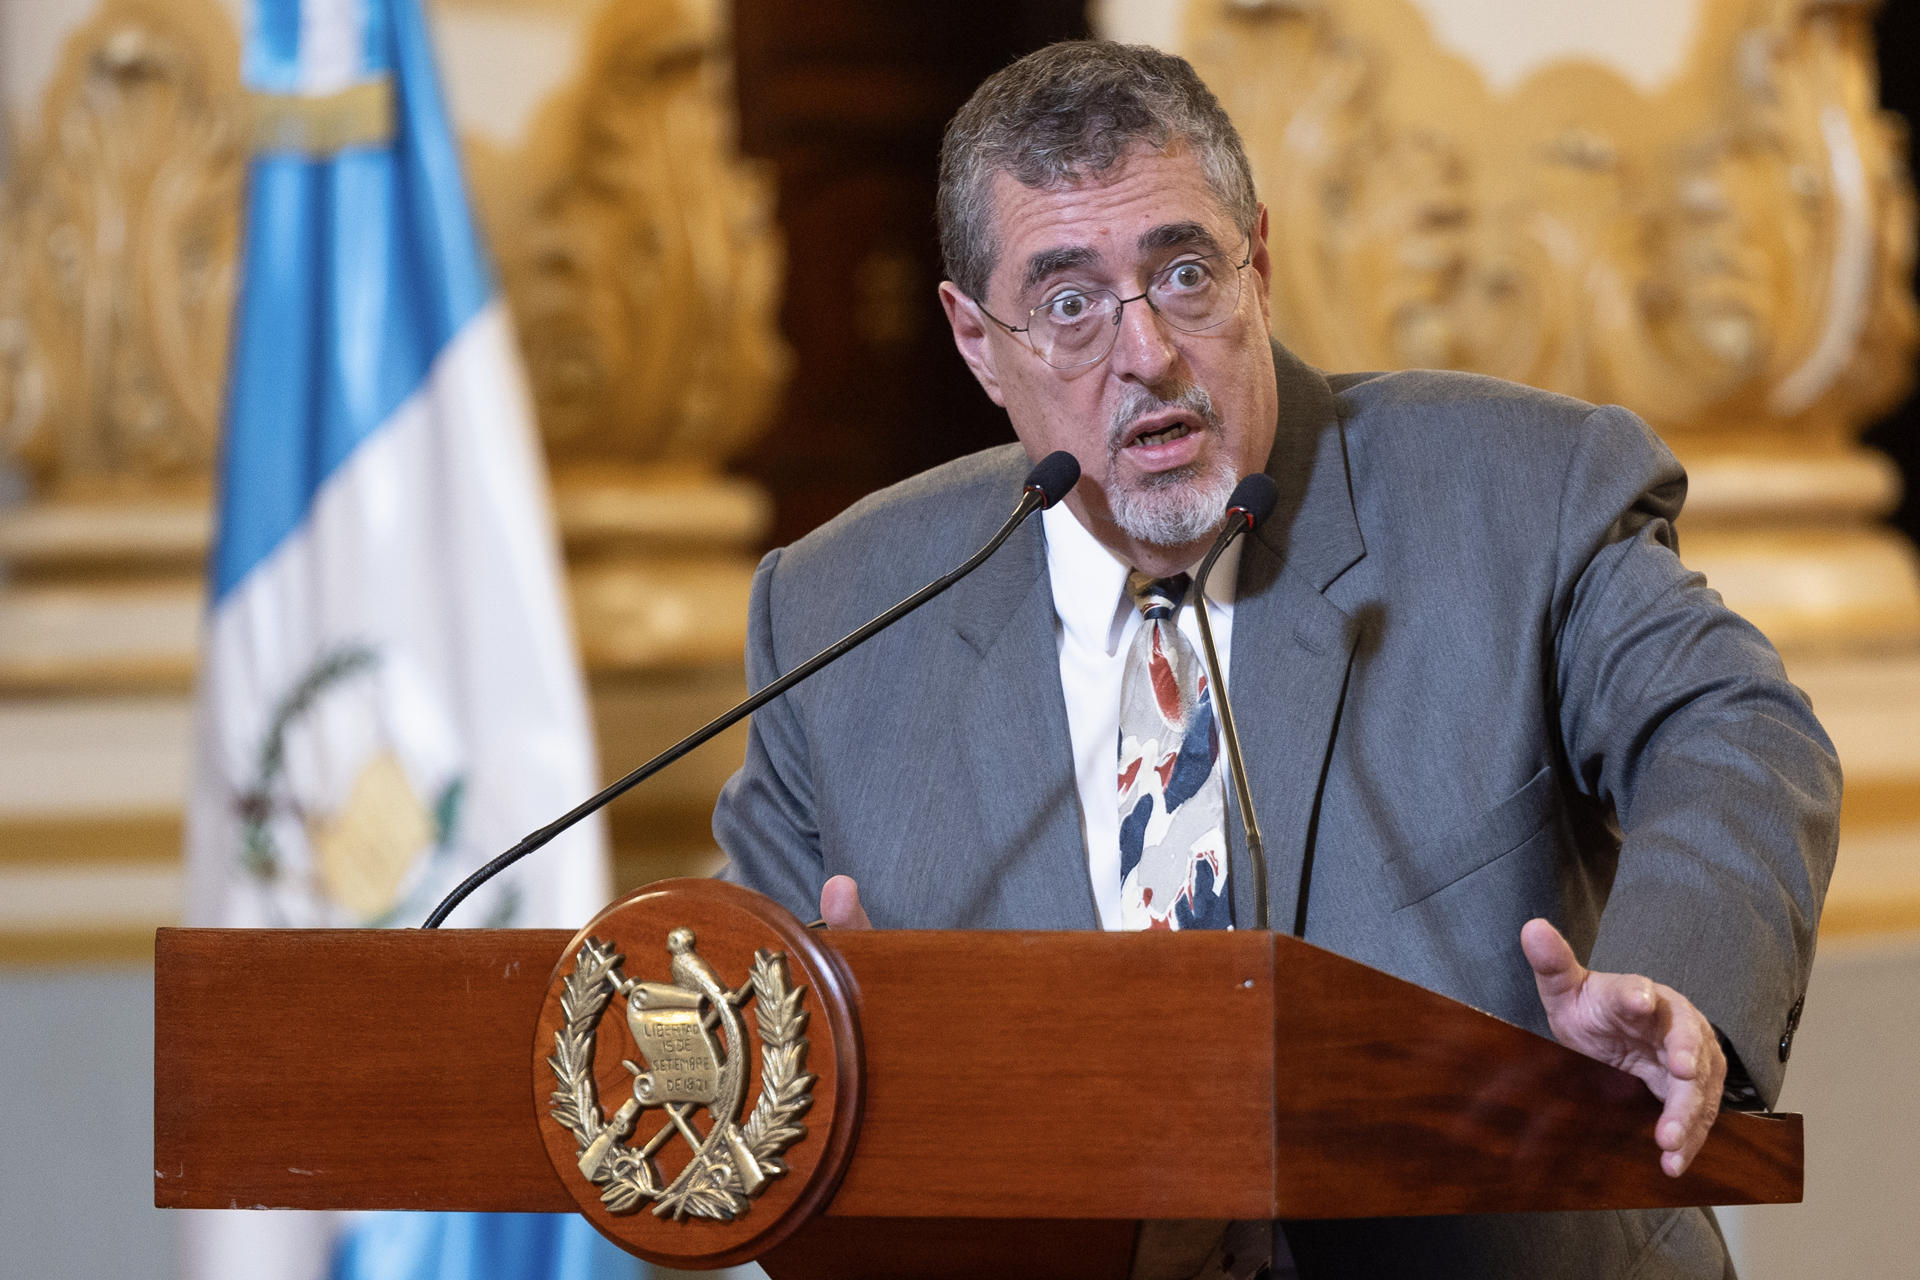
(1090, 583)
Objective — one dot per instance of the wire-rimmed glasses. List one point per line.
(1079, 326)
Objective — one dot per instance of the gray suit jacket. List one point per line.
(1474, 684)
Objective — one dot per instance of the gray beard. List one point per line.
(1177, 507)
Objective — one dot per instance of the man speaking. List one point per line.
(1502, 743)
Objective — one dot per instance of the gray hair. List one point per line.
(1071, 111)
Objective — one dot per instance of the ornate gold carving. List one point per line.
(687, 1067)
(118, 232)
(1727, 254)
(638, 251)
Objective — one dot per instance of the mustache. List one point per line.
(1140, 401)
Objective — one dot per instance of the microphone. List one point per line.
(1049, 481)
(1252, 501)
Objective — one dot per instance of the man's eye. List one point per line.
(1188, 275)
(1067, 308)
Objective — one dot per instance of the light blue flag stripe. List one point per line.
(271, 60)
(479, 1246)
(360, 266)
(379, 44)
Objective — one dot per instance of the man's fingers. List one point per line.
(1635, 1024)
(840, 904)
(1684, 1123)
(1698, 1070)
(1555, 968)
(1630, 1006)
(1690, 1051)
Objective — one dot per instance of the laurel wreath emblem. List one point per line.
(711, 1185)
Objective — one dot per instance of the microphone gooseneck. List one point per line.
(1046, 484)
(1252, 501)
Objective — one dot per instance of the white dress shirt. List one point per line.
(1094, 623)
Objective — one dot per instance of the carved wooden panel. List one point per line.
(118, 234)
(1727, 253)
(637, 249)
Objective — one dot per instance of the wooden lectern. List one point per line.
(983, 1103)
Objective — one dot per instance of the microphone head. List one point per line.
(1054, 475)
(1254, 499)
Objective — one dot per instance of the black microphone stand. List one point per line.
(1251, 503)
(1046, 484)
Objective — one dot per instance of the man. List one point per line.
(1491, 724)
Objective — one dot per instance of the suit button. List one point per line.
(1793, 1025)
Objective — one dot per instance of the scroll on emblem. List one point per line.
(695, 1053)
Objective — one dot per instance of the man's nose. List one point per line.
(1143, 349)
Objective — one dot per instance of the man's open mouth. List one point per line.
(1162, 435)
(1166, 434)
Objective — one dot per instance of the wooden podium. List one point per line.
(985, 1103)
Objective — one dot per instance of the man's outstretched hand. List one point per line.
(1638, 1025)
(840, 904)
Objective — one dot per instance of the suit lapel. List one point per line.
(1012, 719)
(1290, 661)
(1292, 646)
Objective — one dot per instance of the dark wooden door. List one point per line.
(848, 99)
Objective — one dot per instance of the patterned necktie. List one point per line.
(1173, 842)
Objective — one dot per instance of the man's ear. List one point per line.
(970, 335)
(1262, 264)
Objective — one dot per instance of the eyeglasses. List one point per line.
(1079, 326)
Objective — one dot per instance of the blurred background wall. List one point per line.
(714, 227)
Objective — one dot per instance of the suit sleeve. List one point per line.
(764, 820)
(1677, 713)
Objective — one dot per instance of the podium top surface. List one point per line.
(1006, 1075)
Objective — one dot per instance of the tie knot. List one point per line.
(1157, 598)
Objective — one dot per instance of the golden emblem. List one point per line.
(364, 851)
(687, 1066)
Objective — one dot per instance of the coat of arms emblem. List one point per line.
(695, 1050)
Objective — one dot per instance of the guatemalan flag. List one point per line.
(389, 694)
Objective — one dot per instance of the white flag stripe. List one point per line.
(434, 545)
(388, 694)
(333, 45)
